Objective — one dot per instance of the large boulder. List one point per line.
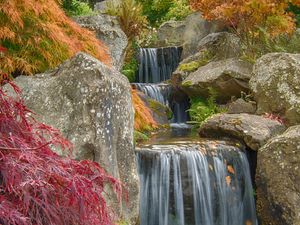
(197, 28)
(222, 45)
(228, 77)
(107, 30)
(170, 33)
(253, 130)
(187, 33)
(91, 105)
(213, 47)
(276, 85)
(278, 179)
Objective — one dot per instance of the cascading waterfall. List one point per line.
(192, 184)
(157, 64)
(159, 92)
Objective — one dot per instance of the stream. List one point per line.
(185, 180)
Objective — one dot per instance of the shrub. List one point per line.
(159, 11)
(76, 8)
(130, 16)
(129, 69)
(38, 186)
(201, 109)
(249, 18)
(143, 119)
(38, 36)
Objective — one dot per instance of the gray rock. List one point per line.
(227, 77)
(171, 33)
(91, 105)
(253, 130)
(107, 30)
(196, 29)
(278, 179)
(241, 106)
(222, 45)
(276, 85)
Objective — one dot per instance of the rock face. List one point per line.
(171, 33)
(196, 29)
(276, 85)
(241, 106)
(91, 105)
(253, 130)
(186, 33)
(108, 30)
(222, 45)
(278, 179)
(227, 77)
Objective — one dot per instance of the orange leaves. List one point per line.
(38, 36)
(143, 119)
(230, 169)
(249, 15)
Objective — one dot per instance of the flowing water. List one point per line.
(195, 183)
(157, 64)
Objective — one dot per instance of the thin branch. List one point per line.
(29, 149)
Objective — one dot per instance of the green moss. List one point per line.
(139, 136)
(160, 109)
(187, 83)
(192, 66)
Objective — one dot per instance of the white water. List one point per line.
(181, 185)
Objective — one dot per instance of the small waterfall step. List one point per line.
(157, 64)
(165, 94)
(159, 92)
(195, 183)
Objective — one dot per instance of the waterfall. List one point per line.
(159, 92)
(193, 184)
(157, 64)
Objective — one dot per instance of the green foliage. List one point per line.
(265, 44)
(130, 16)
(129, 69)
(296, 10)
(158, 11)
(76, 8)
(139, 136)
(201, 109)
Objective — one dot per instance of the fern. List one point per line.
(201, 109)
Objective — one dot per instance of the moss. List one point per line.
(129, 69)
(187, 83)
(160, 109)
(205, 58)
(139, 136)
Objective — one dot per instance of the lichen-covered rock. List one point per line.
(241, 106)
(228, 77)
(91, 105)
(276, 85)
(107, 30)
(213, 47)
(170, 33)
(253, 130)
(278, 179)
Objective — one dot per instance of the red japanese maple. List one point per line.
(37, 186)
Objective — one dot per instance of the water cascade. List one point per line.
(160, 92)
(195, 184)
(157, 64)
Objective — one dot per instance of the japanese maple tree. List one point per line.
(248, 16)
(37, 186)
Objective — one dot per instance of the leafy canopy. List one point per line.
(247, 16)
(38, 35)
